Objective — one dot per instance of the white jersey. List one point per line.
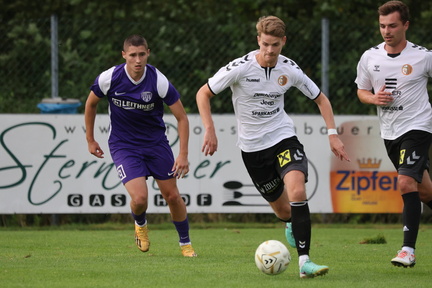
(258, 98)
(406, 76)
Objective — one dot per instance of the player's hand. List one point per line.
(180, 167)
(95, 149)
(210, 144)
(337, 147)
(383, 98)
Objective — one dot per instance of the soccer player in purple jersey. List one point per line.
(137, 92)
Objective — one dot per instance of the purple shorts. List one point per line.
(156, 161)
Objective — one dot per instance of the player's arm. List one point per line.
(382, 98)
(203, 97)
(326, 110)
(181, 164)
(89, 118)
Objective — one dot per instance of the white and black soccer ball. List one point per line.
(272, 257)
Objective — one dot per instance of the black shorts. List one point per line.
(410, 153)
(268, 167)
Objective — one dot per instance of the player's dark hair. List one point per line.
(395, 6)
(134, 40)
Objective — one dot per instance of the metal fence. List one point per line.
(188, 53)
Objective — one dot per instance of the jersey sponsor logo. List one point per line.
(391, 84)
(270, 186)
(282, 80)
(271, 95)
(392, 109)
(407, 69)
(267, 103)
(284, 158)
(265, 114)
(129, 105)
(253, 80)
(119, 93)
(146, 96)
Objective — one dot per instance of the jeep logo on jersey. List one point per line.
(282, 80)
(146, 96)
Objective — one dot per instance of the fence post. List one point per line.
(54, 56)
(325, 51)
(54, 78)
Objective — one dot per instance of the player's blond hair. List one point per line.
(271, 25)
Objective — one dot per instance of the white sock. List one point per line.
(303, 259)
(141, 225)
(409, 249)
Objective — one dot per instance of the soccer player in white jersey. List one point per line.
(393, 76)
(136, 93)
(266, 133)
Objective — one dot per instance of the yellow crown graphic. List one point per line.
(369, 163)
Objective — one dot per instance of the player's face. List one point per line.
(393, 31)
(270, 48)
(136, 58)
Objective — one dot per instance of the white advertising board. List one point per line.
(45, 167)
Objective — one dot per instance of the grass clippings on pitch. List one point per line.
(380, 239)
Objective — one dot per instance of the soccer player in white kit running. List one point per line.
(266, 133)
(393, 76)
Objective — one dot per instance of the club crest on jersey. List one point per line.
(407, 69)
(282, 80)
(146, 96)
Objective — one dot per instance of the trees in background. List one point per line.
(189, 40)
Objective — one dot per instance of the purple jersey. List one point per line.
(135, 107)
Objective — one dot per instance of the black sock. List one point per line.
(286, 221)
(411, 218)
(301, 226)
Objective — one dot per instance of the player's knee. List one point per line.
(407, 184)
(297, 195)
(173, 198)
(140, 201)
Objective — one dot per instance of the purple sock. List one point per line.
(183, 230)
(140, 219)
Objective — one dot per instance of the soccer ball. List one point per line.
(272, 257)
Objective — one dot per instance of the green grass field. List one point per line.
(106, 256)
